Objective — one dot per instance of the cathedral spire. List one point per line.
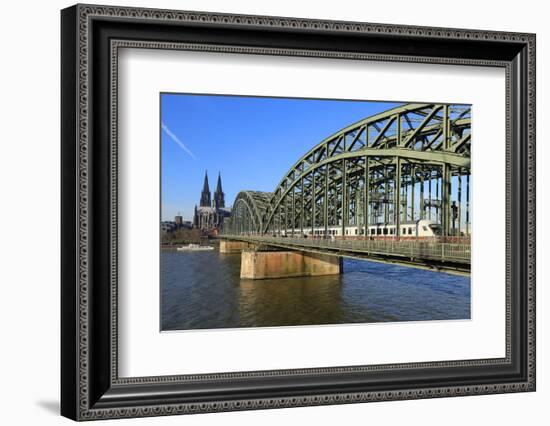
(205, 195)
(219, 185)
(205, 187)
(219, 196)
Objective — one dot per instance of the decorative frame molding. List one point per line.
(91, 388)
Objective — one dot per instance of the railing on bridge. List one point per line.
(422, 250)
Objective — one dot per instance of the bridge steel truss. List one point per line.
(247, 212)
(407, 163)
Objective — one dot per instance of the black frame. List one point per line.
(90, 387)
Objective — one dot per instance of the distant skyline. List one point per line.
(251, 141)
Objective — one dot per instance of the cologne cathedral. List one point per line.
(210, 214)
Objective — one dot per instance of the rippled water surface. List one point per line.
(203, 290)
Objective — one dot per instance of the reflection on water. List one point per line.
(202, 290)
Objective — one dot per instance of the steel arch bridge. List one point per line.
(247, 212)
(407, 163)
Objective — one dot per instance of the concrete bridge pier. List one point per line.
(227, 246)
(258, 265)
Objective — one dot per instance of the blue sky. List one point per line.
(252, 141)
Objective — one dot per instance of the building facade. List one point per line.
(178, 223)
(210, 213)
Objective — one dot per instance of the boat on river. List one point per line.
(194, 247)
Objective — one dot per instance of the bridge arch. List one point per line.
(247, 212)
(371, 165)
(378, 169)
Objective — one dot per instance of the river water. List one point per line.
(203, 290)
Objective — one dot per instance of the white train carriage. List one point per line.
(418, 229)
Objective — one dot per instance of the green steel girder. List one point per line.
(432, 127)
(255, 204)
(392, 154)
(353, 173)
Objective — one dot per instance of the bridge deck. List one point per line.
(450, 256)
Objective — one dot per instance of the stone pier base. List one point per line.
(258, 265)
(234, 246)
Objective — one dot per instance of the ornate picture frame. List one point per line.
(91, 37)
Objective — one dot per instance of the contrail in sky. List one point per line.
(176, 139)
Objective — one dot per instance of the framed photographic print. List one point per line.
(263, 212)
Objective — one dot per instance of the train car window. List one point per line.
(436, 229)
(385, 231)
(410, 231)
(379, 231)
(356, 232)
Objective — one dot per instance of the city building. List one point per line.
(168, 226)
(210, 214)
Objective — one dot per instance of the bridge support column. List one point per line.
(227, 246)
(285, 264)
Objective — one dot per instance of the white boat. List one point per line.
(195, 247)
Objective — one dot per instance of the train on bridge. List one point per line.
(417, 230)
